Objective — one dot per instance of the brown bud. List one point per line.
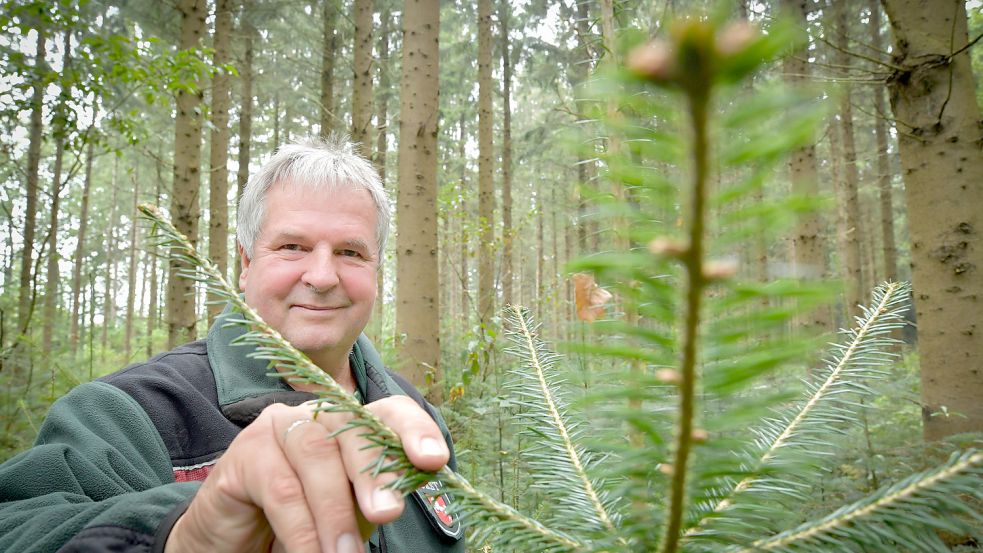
(719, 269)
(699, 435)
(669, 376)
(666, 468)
(735, 37)
(652, 60)
(668, 247)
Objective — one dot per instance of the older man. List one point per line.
(200, 449)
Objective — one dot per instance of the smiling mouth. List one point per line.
(319, 307)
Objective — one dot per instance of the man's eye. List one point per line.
(350, 253)
(291, 247)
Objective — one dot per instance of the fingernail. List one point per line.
(348, 544)
(384, 499)
(430, 447)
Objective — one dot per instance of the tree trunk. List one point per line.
(850, 224)
(362, 78)
(382, 147)
(486, 184)
(888, 247)
(934, 103)
(51, 274)
(131, 275)
(808, 240)
(108, 301)
(246, 113)
(218, 157)
(507, 233)
(181, 316)
(329, 15)
(417, 309)
(79, 256)
(462, 213)
(154, 285)
(31, 193)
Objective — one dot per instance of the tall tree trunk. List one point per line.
(888, 247)
(154, 285)
(486, 184)
(934, 102)
(382, 146)
(462, 213)
(808, 240)
(329, 15)
(850, 224)
(246, 110)
(417, 309)
(109, 281)
(507, 232)
(79, 256)
(31, 192)
(181, 317)
(51, 274)
(218, 156)
(131, 274)
(362, 78)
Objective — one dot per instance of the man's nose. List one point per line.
(320, 272)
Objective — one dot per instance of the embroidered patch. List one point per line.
(437, 504)
(194, 473)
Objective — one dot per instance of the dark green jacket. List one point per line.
(117, 460)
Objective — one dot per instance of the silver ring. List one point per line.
(293, 426)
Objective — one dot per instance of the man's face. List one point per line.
(312, 275)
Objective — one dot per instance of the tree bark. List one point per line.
(181, 317)
(31, 193)
(849, 223)
(808, 240)
(362, 78)
(507, 232)
(51, 274)
(486, 184)
(246, 107)
(465, 235)
(108, 301)
(885, 193)
(939, 137)
(131, 274)
(417, 307)
(218, 155)
(79, 257)
(382, 146)
(329, 15)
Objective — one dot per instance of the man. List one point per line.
(199, 449)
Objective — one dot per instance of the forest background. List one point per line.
(107, 105)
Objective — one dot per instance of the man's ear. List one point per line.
(245, 266)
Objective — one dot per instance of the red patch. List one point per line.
(440, 507)
(196, 473)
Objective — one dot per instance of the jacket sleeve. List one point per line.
(98, 478)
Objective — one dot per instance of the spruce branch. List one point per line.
(925, 500)
(856, 358)
(566, 464)
(271, 346)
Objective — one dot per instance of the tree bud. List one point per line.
(667, 469)
(668, 247)
(719, 269)
(669, 376)
(699, 435)
(735, 37)
(652, 60)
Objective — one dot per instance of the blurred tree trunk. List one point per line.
(131, 274)
(79, 257)
(181, 317)
(584, 166)
(329, 15)
(935, 107)
(417, 283)
(382, 147)
(888, 247)
(808, 239)
(462, 214)
(218, 155)
(362, 78)
(507, 232)
(246, 110)
(51, 274)
(486, 169)
(849, 224)
(111, 250)
(154, 284)
(24, 299)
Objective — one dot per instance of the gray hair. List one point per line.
(328, 164)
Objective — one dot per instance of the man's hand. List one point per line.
(291, 482)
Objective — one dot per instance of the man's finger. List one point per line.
(324, 491)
